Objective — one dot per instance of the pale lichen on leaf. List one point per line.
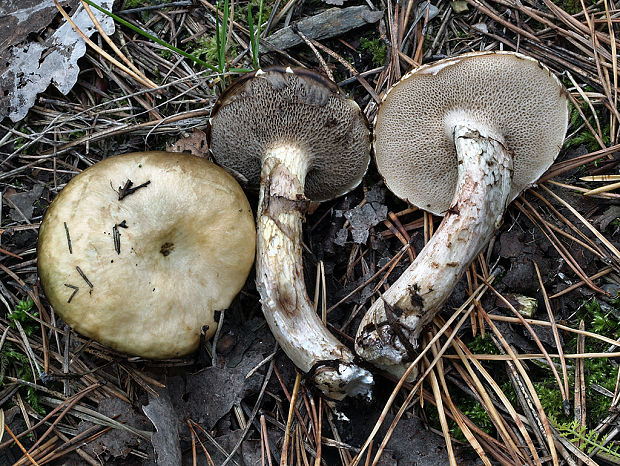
(27, 67)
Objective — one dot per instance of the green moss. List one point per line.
(137, 3)
(584, 136)
(474, 411)
(470, 408)
(207, 50)
(613, 226)
(241, 11)
(482, 345)
(22, 313)
(509, 391)
(572, 6)
(20, 141)
(19, 365)
(550, 398)
(377, 49)
(601, 319)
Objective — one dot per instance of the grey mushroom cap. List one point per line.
(294, 107)
(504, 95)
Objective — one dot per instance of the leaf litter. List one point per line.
(117, 443)
(28, 67)
(166, 440)
(363, 217)
(108, 112)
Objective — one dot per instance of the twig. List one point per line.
(289, 421)
(558, 343)
(21, 447)
(257, 405)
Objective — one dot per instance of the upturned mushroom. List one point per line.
(292, 131)
(139, 250)
(461, 137)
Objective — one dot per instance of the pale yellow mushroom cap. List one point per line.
(144, 274)
(504, 95)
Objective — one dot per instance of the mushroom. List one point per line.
(461, 137)
(292, 131)
(139, 250)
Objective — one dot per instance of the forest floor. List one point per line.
(490, 395)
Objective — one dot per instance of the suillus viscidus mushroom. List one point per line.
(139, 250)
(295, 134)
(461, 137)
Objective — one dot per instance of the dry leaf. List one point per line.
(195, 143)
(28, 67)
(117, 443)
(166, 439)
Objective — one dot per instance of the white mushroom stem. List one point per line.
(280, 282)
(388, 337)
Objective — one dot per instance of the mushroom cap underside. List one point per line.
(144, 274)
(507, 96)
(292, 107)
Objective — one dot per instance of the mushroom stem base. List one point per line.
(388, 334)
(280, 281)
